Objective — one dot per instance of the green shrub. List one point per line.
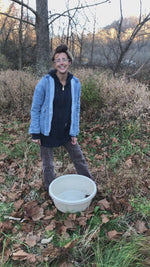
(91, 94)
(4, 64)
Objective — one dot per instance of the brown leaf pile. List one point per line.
(23, 231)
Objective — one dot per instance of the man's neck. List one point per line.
(62, 77)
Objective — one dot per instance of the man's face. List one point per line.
(61, 63)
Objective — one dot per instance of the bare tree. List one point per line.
(42, 29)
(93, 41)
(42, 35)
(124, 46)
(69, 27)
(20, 38)
(81, 42)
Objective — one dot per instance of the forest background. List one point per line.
(123, 44)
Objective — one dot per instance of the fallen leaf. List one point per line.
(98, 140)
(2, 164)
(140, 227)
(3, 156)
(82, 221)
(20, 255)
(6, 226)
(65, 264)
(50, 251)
(51, 226)
(69, 224)
(18, 204)
(28, 227)
(32, 210)
(14, 196)
(137, 141)
(114, 140)
(31, 241)
(72, 216)
(129, 163)
(45, 205)
(14, 187)
(104, 218)
(49, 214)
(97, 156)
(113, 234)
(2, 180)
(112, 123)
(37, 185)
(22, 173)
(104, 204)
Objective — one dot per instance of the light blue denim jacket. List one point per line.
(42, 106)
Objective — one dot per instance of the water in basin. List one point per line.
(72, 195)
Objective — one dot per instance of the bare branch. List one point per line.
(25, 21)
(137, 29)
(75, 8)
(25, 5)
(120, 26)
(123, 50)
(138, 70)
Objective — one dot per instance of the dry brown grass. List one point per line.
(16, 90)
(122, 98)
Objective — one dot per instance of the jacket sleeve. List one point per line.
(38, 99)
(75, 110)
(36, 136)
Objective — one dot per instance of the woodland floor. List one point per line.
(33, 231)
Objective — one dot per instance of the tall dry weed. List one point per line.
(16, 91)
(122, 97)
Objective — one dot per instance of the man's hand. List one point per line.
(73, 140)
(36, 141)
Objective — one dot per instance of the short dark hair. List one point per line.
(63, 49)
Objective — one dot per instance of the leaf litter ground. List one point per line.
(32, 230)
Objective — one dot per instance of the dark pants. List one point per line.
(76, 156)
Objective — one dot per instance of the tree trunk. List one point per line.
(20, 40)
(93, 42)
(42, 33)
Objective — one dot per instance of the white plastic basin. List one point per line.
(72, 193)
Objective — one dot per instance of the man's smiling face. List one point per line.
(61, 63)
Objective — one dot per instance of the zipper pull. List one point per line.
(63, 88)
